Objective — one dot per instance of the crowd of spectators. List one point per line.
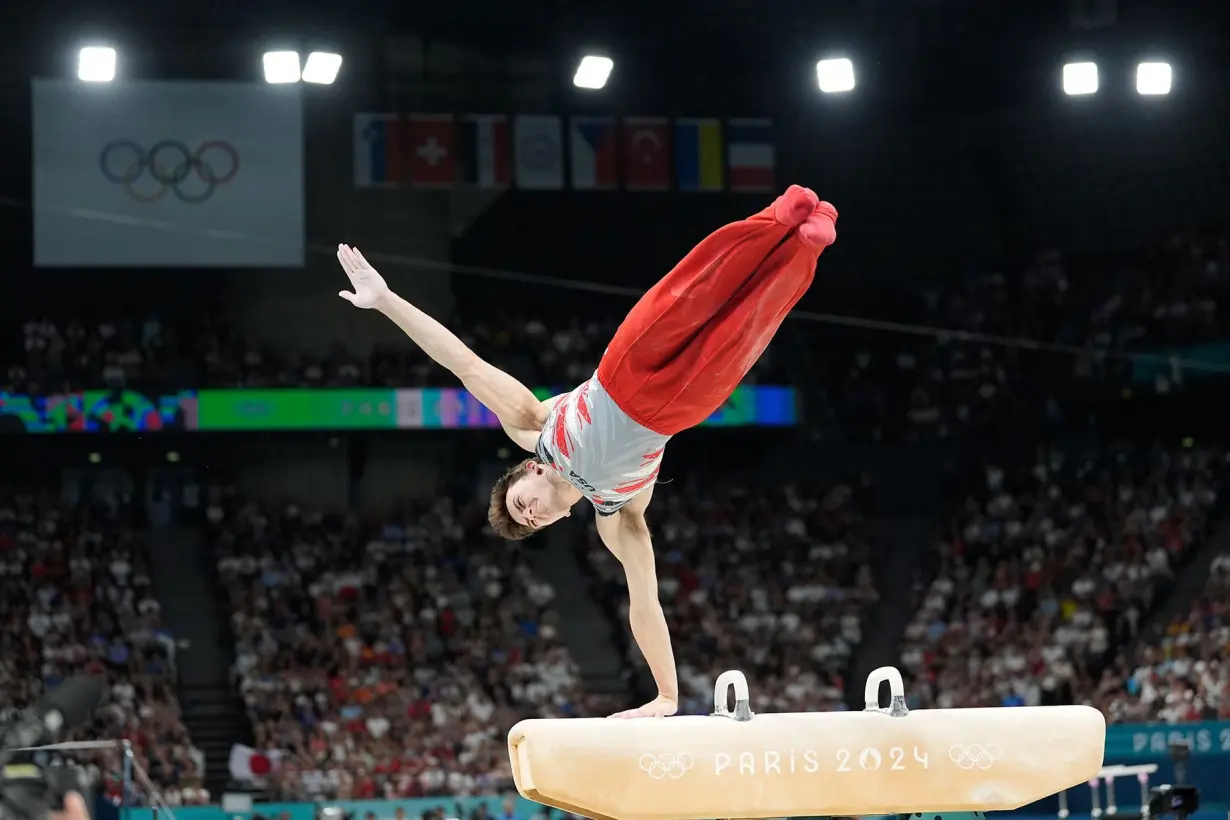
(1047, 570)
(147, 353)
(777, 584)
(935, 381)
(1183, 676)
(387, 658)
(75, 598)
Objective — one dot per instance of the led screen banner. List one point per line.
(167, 174)
(315, 409)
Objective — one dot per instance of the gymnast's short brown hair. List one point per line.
(498, 516)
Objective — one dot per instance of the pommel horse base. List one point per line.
(737, 764)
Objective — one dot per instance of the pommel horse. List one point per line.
(737, 764)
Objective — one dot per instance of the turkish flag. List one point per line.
(431, 148)
(646, 153)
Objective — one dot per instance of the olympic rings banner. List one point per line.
(314, 409)
(167, 174)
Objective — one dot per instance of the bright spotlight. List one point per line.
(96, 64)
(1153, 78)
(835, 76)
(322, 68)
(282, 67)
(593, 72)
(1080, 78)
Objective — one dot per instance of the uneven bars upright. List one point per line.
(1108, 775)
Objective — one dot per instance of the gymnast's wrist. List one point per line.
(672, 696)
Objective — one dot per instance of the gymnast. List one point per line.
(675, 359)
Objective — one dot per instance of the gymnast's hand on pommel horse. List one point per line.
(673, 362)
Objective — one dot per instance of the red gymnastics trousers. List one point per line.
(689, 341)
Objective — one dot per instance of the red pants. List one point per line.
(691, 339)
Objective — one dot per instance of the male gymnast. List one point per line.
(676, 358)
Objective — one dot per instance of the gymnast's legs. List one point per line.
(691, 339)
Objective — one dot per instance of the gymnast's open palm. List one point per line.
(369, 286)
(658, 707)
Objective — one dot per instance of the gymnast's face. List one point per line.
(535, 499)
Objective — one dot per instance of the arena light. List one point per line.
(322, 67)
(835, 76)
(282, 67)
(593, 72)
(96, 64)
(1153, 79)
(1080, 79)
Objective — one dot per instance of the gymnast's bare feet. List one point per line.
(820, 229)
(795, 206)
(816, 220)
(660, 706)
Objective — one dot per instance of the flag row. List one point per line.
(537, 152)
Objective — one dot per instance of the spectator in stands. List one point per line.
(1047, 570)
(145, 354)
(75, 598)
(776, 584)
(1185, 675)
(387, 658)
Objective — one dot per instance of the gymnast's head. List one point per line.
(525, 499)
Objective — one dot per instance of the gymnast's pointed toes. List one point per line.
(794, 206)
(820, 228)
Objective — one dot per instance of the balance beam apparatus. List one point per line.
(737, 764)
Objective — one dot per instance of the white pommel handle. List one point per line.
(743, 705)
(896, 688)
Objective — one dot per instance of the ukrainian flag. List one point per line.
(699, 164)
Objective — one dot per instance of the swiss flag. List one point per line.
(646, 153)
(431, 147)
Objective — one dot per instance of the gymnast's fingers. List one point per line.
(344, 260)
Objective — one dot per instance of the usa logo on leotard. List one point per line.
(593, 445)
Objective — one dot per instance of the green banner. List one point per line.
(301, 409)
(290, 409)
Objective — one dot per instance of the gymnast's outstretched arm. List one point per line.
(626, 535)
(519, 410)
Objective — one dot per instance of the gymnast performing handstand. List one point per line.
(679, 354)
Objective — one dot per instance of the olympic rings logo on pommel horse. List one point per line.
(666, 765)
(169, 164)
(967, 757)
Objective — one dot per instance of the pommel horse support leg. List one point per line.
(741, 765)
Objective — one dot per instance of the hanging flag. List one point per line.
(698, 154)
(430, 141)
(752, 156)
(483, 150)
(248, 764)
(379, 151)
(646, 158)
(594, 144)
(538, 152)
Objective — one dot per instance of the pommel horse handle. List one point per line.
(743, 699)
(896, 688)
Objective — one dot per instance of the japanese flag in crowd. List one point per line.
(251, 764)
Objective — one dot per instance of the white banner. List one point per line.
(538, 152)
(167, 174)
